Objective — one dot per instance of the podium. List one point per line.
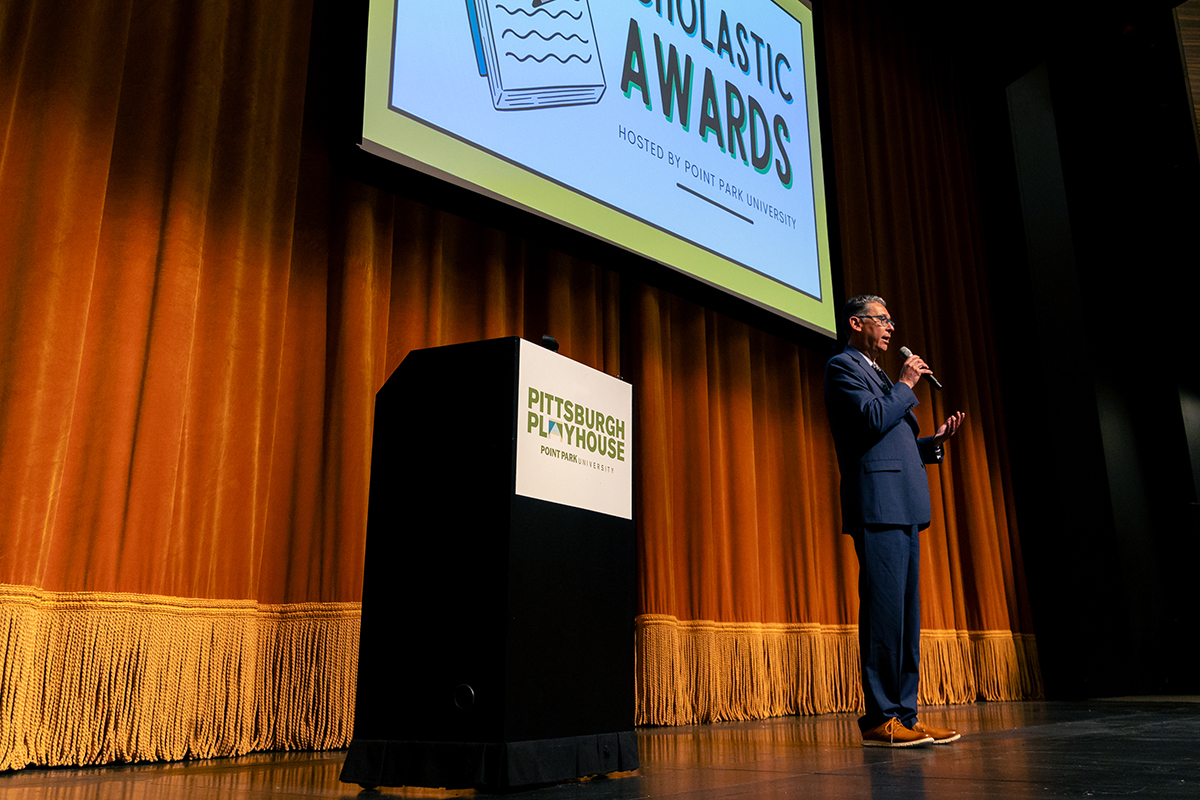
(497, 639)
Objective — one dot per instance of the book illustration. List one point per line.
(537, 53)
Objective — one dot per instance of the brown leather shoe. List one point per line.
(939, 735)
(893, 734)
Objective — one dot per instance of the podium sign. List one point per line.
(574, 434)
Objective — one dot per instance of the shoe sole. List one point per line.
(917, 743)
(948, 740)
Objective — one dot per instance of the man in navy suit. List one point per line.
(885, 503)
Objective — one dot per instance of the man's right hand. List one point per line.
(914, 367)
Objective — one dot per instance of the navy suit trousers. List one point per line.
(889, 622)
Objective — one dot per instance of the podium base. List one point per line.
(494, 765)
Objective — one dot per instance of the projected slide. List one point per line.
(682, 130)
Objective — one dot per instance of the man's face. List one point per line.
(870, 334)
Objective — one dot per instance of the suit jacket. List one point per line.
(880, 457)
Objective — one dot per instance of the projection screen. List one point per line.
(684, 131)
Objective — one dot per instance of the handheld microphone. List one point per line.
(904, 351)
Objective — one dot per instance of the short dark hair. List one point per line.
(856, 307)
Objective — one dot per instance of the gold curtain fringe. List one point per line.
(701, 671)
(1008, 666)
(947, 668)
(92, 677)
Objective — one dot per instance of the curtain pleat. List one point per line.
(196, 310)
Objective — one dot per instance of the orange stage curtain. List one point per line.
(196, 311)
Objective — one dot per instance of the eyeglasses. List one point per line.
(884, 320)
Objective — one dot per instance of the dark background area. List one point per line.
(1088, 171)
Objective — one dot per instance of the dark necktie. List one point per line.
(882, 375)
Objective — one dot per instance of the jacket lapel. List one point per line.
(869, 371)
(884, 386)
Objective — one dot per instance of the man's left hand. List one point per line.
(949, 427)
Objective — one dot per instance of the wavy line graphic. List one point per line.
(540, 11)
(550, 55)
(556, 34)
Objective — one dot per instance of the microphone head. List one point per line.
(904, 351)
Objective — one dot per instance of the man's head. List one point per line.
(868, 324)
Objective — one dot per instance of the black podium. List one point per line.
(497, 627)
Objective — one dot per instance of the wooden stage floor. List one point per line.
(1146, 747)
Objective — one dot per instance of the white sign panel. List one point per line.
(574, 434)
